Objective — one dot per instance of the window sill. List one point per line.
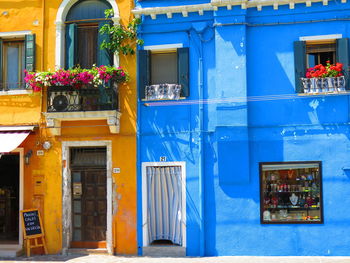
(325, 93)
(155, 100)
(15, 92)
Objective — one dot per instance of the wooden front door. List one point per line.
(89, 208)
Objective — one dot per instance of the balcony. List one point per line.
(86, 98)
(68, 103)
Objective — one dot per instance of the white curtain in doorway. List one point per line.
(164, 203)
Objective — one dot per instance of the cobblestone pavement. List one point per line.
(118, 259)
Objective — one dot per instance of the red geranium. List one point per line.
(321, 71)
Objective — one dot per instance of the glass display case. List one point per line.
(291, 192)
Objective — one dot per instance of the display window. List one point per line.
(291, 192)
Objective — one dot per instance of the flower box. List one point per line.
(76, 77)
(324, 85)
(163, 92)
(324, 79)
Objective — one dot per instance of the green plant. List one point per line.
(121, 39)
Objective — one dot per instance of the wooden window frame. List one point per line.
(21, 56)
(183, 67)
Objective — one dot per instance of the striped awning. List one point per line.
(12, 136)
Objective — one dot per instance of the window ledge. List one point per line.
(156, 100)
(324, 93)
(53, 119)
(15, 92)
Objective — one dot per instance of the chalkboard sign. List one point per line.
(31, 223)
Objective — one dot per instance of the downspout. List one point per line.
(200, 28)
(42, 54)
(139, 210)
(201, 152)
(43, 34)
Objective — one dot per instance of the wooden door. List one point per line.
(89, 208)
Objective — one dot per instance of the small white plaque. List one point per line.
(116, 170)
(162, 159)
(40, 153)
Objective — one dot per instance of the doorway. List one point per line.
(9, 198)
(67, 218)
(164, 204)
(89, 197)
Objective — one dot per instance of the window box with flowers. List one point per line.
(79, 89)
(80, 94)
(324, 79)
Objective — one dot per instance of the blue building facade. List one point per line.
(244, 133)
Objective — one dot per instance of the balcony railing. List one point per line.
(324, 85)
(85, 98)
(163, 92)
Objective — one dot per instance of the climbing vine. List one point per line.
(121, 39)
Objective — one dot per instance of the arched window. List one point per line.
(83, 40)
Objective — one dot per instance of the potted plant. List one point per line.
(322, 78)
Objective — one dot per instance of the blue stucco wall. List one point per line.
(236, 68)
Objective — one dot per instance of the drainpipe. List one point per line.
(43, 34)
(201, 152)
(200, 28)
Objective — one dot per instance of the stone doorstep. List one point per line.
(164, 251)
(10, 252)
(88, 251)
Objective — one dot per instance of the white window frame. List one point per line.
(145, 242)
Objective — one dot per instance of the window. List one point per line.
(320, 53)
(83, 40)
(163, 67)
(291, 192)
(15, 56)
(310, 53)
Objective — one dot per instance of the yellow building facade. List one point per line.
(72, 162)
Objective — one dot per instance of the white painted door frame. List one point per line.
(67, 228)
(145, 199)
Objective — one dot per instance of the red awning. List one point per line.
(12, 137)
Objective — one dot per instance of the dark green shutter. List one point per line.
(104, 56)
(1, 64)
(183, 70)
(299, 64)
(71, 45)
(342, 55)
(29, 52)
(143, 62)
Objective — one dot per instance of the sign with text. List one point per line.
(31, 223)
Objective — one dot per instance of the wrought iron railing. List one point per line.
(163, 92)
(85, 98)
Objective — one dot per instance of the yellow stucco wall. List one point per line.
(39, 17)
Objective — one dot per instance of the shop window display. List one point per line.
(291, 192)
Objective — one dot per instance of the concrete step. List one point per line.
(164, 251)
(10, 252)
(87, 251)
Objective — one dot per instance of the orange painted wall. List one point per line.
(27, 109)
